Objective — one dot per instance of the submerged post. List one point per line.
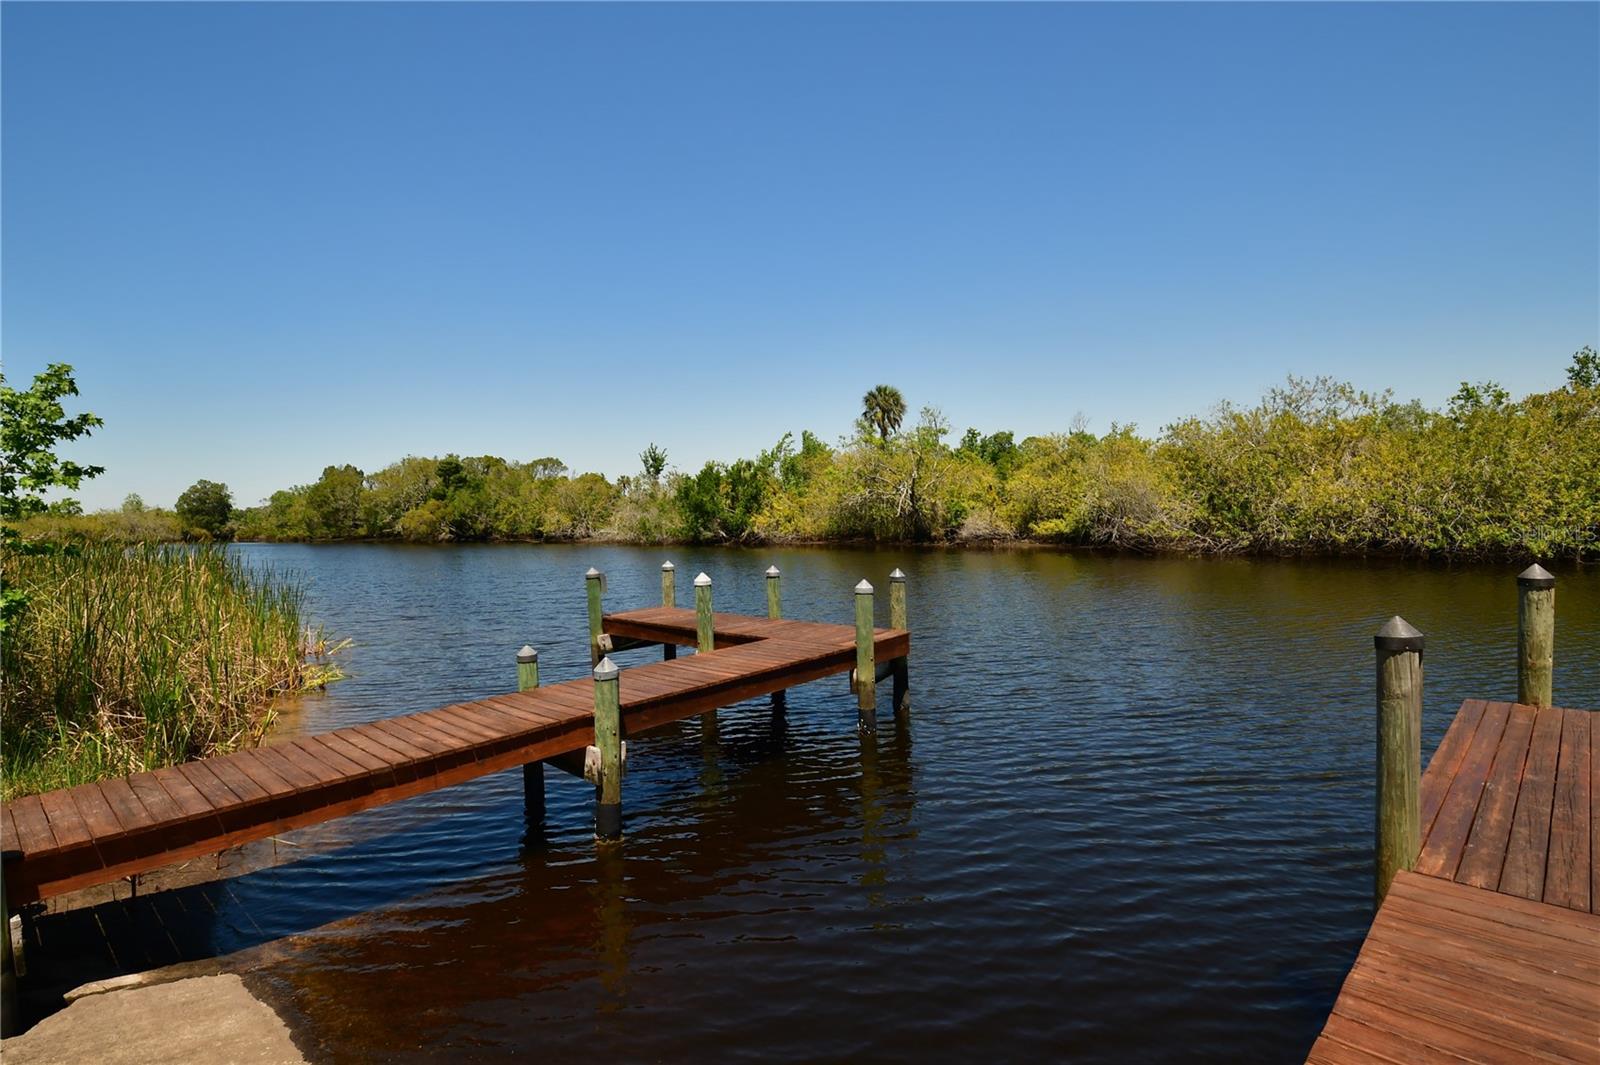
(705, 638)
(1398, 837)
(669, 597)
(532, 772)
(900, 693)
(594, 581)
(608, 739)
(1536, 636)
(866, 667)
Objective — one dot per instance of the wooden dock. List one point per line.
(93, 833)
(1489, 949)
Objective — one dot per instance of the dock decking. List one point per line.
(93, 833)
(1489, 950)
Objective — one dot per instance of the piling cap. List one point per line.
(863, 588)
(897, 576)
(702, 581)
(606, 670)
(772, 571)
(527, 654)
(1398, 634)
(668, 566)
(1536, 576)
(592, 575)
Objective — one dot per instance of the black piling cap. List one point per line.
(1536, 576)
(1398, 634)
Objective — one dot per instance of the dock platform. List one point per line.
(1489, 949)
(64, 840)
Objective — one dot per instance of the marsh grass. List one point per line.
(135, 657)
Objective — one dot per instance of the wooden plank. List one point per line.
(1442, 846)
(227, 776)
(1594, 817)
(1567, 869)
(65, 820)
(190, 800)
(33, 826)
(1484, 855)
(1523, 873)
(10, 837)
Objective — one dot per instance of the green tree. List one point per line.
(32, 423)
(206, 506)
(334, 502)
(654, 460)
(1585, 369)
(133, 503)
(883, 408)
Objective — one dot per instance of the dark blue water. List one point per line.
(1130, 819)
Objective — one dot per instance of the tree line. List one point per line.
(1316, 466)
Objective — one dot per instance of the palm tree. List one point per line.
(883, 408)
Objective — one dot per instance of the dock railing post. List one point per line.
(669, 598)
(532, 772)
(594, 582)
(897, 620)
(780, 699)
(1536, 636)
(608, 739)
(1398, 834)
(866, 667)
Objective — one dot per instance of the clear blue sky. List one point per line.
(274, 237)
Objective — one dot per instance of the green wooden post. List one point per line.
(532, 772)
(669, 597)
(780, 699)
(594, 581)
(1399, 833)
(705, 633)
(1536, 636)
(705, 642)
(9, 1020)
(866, 667)
(608, 738)
(901, 692)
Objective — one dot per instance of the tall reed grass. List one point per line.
(134, 657)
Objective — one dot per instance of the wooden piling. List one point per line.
(866, 668)
(780, 699)
(594, 582)
(532, 772)
(608, 739)
(705, 639)
(900, 691)
(1536, 636)
(9, 1020)
(1398, 829)
(669, 598)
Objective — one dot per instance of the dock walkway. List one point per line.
(1489, 949)
(77, 837)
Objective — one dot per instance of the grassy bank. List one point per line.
(135, 657)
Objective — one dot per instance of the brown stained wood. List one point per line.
(1568, 872)
(156, 818)
(1441, 847)
(154, 798)
(1452, 972)
(189, 799)
(1484, 856)
(1529, 844)
(96, 812)
(65, 821)
(1447, 759)
(10, 837)
(1594, 817)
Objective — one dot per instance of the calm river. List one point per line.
(1130, 820)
